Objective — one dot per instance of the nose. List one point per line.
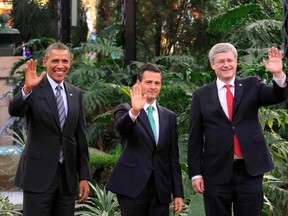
(60, 64)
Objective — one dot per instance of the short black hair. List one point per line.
(56, 46)
(148, 67)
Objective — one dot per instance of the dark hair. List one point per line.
(148, 67)
(56, 46)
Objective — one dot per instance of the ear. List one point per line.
(44, 62)
(137, 81)
(212, 64)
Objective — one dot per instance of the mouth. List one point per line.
(59, 72)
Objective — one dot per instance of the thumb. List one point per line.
(42, 75)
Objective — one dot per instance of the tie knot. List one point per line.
(227, 86)
(58, 88)
(150, 109)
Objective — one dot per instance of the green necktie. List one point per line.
(151, 120)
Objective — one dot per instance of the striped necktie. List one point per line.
(62, 116)
(60, 106)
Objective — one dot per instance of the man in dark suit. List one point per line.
(148, 170)
(55, 156)
(227, 153)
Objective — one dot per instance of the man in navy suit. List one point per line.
(227, 153)
(55, 156)
(148, 172)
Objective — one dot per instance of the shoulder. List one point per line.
(72, 87)
(248, 79)
(124, 106)
(205, 88)
(165, 110)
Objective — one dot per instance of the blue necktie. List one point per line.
(151, 120)
(62, 116)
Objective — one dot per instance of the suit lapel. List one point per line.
(70, 104)
(213, 92)
(162, 122)
(239, 88)
(47, 91)
(146, 124)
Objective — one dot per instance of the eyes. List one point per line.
(57, 61)
(221, 62)
(150, 82)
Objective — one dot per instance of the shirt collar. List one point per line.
(53, 83)
(146, 105)
(220, 84)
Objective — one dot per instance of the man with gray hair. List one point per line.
(227, 153)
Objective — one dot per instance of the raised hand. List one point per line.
(31, 77)
(137, 99)
(274, 63)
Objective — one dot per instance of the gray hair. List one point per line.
(56, 46)
(222, 48)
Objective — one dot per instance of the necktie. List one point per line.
(151, 120)
(229, 98)
(62, 116)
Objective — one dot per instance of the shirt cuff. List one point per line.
(281, 82)
(196, 177)
(133, 117)
(25, 96)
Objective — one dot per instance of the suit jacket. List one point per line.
(39, 160)
(210, 147)
(141, 156)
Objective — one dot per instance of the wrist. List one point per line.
(26, 89)
(135, 112)
(278, 75)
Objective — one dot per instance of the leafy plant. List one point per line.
(100, 203)
(6, 207)
(18, 138)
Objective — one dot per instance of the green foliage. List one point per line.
(100, 203)
(226, 21)
(97, 160)
(250, 29)
(276, 181)
(18, 138)
(6, 207)
(101, 165)
(32, 18)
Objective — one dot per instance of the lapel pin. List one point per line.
(70, 95)
(240, 84)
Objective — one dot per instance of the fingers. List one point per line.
(42, 75)
(31, 65)
(136, 90)
(178, 204)
(83, 196)
(83, 191)
(274, 53)
(198, 185)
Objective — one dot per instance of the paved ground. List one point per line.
(15, 197)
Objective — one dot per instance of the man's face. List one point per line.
(57, 64)
(151, 85)
(225, 66)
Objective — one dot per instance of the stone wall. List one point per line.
(8, 162)
(6, 63)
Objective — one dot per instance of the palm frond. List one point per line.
(225, 21)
